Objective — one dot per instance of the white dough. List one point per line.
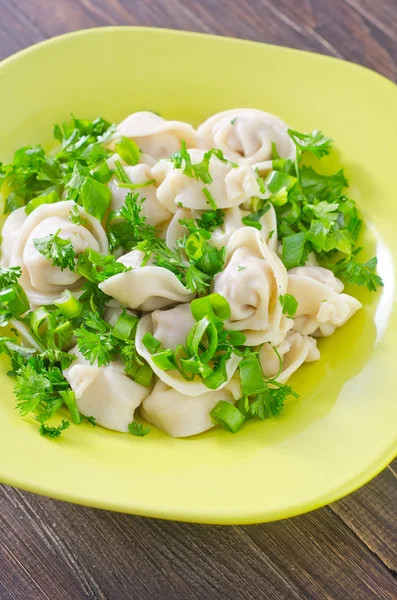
(322, 305)
(293, 351)
(43, 282)
(230, 186)
(245, 135)
(252, 281)
(154, 212)
(182, 416)
(10, 233)
(154, 135)
(145, 288)
(105, 393)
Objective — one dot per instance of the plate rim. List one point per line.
(237, 517)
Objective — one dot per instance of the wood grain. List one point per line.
(57, 551)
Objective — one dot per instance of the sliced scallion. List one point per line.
(69, 306)
(150, 342)
(227, 415)
(293, 248)
(214, 306)
(164, 359)
(277, 181)
(125, 326)
(251, 376)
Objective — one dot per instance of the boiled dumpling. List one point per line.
(231, 186)
(43, 282)
(182, 416)
(154, 135)
(245, 135)
(105, 393)
(171, 327)
(293, 352)
(322, 307)
(145, 288)
(252, 281)
(154, 212)
(10, 233)
(221, 235)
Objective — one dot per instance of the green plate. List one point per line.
(343, 429)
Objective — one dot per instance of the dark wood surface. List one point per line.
(56, 551)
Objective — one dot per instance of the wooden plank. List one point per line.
(75, 552)
(370, 512)
(351, 33)
(15, 31)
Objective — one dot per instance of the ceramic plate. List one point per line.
(343, 429)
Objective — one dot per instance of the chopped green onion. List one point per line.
(235, 338)
(128, 150)
(102, 173)
(214, 306)
(277, 181)
(151, 343)
(293, 248)
(125, 326)
(37, 318)
(120, 173)
(227, 415)
(164, 359)
(98, 259)
(219, 374)
(134, 186)
(15, 299)
(95, 198)
(144, 375)
(243, 406)
(190, 365)
(253, 219)
(69, 399)
(275, 154)
(181, 355)
(69, 306)
(195, 340)
(194, 246)
(210, 199)
(251, 376)
(50, 198)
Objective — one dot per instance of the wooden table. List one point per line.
(56, 551)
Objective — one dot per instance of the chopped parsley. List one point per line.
(58, 250)
(289, 305)
(138, 429)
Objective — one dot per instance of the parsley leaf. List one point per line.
(9, 276)
(57, 249)
(315, 142)
(359, 273)
(270, 403)
(199, 171)
(127, 226)
(53, 432)
(211, 219)
(138, 429)
(289, 305)
(96, 343)
(321, 187)
(76, 217)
